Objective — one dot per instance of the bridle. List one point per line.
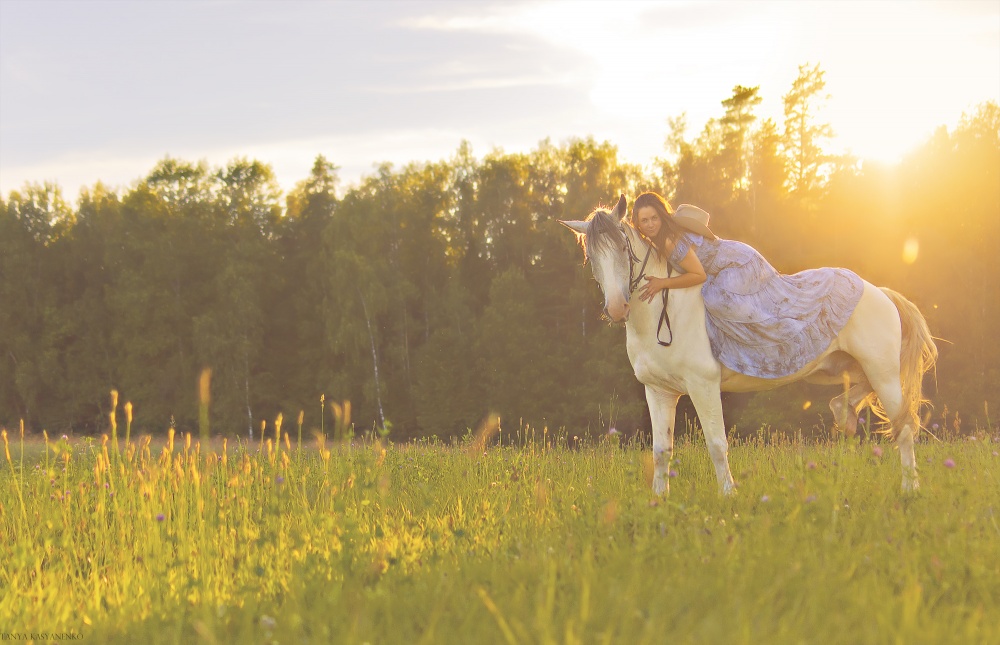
(635, 279)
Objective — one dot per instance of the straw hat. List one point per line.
(693, 219)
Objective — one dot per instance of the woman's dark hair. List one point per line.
(668, 229)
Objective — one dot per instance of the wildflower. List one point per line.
(811, 465)
(935, 426)
(949, 463)
(159, 517)
(267, 622)
(280, 479)
(877, 451)
(613, 432)
(765, 498)
(672, 473)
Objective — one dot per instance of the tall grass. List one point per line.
(543, 542)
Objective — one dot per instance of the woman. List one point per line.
(760, 323)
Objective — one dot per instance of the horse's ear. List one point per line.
(576, 226)
(622, 207)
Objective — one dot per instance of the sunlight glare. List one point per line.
(910, 250)
(652, 61)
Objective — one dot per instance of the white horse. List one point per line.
(884, 349)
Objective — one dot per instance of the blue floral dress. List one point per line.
(763, 323)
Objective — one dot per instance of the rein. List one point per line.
(633, 284)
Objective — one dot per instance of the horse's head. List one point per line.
(606, 246)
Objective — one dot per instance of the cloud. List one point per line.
(101, 90)
(125, 84)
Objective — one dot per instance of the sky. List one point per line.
(100, 91)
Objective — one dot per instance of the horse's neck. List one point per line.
(683, 306)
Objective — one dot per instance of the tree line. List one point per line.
(431, 294)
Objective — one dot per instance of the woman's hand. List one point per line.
(694, 275)
(652, 287)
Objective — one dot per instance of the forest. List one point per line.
(432, 294)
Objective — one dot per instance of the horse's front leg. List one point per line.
(707, 399)
(662, 412)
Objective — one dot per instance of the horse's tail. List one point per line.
(917, 355)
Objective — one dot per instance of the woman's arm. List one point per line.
(694, 275)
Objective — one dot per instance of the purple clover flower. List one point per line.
(949, 463)
(160, 517)
(877, 451)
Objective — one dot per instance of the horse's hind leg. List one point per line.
(708, 403)
(886, 384)
(873, 336)
(845, 407)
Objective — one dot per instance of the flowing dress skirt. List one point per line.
(763, 323)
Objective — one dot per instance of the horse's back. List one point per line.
(871, 333)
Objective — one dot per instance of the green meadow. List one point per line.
(553, 540)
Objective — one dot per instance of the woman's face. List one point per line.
(648, 221)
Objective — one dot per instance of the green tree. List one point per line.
(767, 196)
(514, 358)
(805, 135)
(737, 141)
(32, 223)
(168, 245)
(88, 358)
(298, 352)
(449, 390)
(228, 333)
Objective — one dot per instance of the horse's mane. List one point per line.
(603, 233)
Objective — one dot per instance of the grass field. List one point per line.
(425, 543)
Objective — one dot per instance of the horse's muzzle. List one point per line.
(617, 313)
